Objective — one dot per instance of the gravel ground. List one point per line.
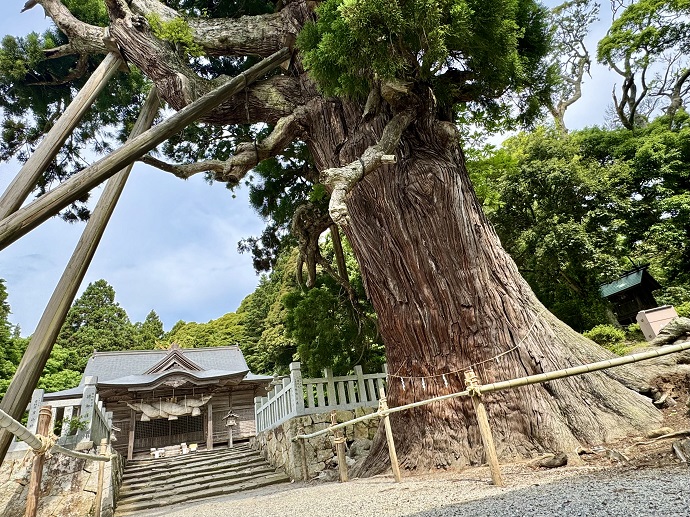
(576, 491)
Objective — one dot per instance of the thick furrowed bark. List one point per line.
(448, 297)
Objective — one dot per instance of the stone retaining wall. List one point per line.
(68, 488)
(280, 451)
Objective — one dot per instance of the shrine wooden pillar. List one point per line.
(132, 427)
(209, 426)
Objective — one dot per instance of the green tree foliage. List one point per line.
(464, 50)
(61, 371)
(96, 322)
(647, 45)
(10, 352)
(574, 210)
(332, 329)
(552, 218)
(224, 331)
(148, 333)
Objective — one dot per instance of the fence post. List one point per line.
(258, 415)
(361, 386)
(297, 388)
(330, 387)
(472, 384)
(383, 406)
(340, 448)
(88, 403)
(34, 410)
(43, 428)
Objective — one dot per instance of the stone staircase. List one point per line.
(148, 484)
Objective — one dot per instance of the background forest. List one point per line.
(574, 209)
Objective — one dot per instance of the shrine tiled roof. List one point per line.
(149, 367)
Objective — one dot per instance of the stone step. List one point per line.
(185, 461)
(201, 492)
(163, 480)
(237, 448)
(192, 485)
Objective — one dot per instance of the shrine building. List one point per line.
(161, 398)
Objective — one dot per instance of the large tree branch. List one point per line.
(83, 38)
(259, 35)
(179, 84)
(247, 155)
(342, 179)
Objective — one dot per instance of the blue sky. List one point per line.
(171, 245)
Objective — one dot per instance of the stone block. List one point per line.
(344, 416)
(361, 431)
(361, 411)
(315, 468)
(320, 418)
(324, 455)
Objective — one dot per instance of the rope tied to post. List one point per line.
(47, 443)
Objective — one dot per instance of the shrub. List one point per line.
(633, 332)
(683, 309)
(609, 337)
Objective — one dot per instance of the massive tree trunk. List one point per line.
(447, 296)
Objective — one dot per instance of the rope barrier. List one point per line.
(513, 383)
(42, 444)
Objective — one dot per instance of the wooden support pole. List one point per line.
(34, 359)
(27, 218)
(383, 406)
(98, 504)
(472, 383)
(340, 449)
(38, 162)
(44, 418)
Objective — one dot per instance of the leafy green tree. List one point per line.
(149, 332)
(559, 219)
(574, 211)
(373, 88)
(60, 372)
(332, 327)
(96, 322)
(224, 331)
(648, 36)
(10, 353)
(570, 23)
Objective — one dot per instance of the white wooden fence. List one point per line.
(297, 396)
(83, 418)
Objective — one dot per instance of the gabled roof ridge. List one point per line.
(175, 355)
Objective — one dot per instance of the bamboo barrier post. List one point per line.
(101, 471)
(28, 217)
(44, 418)
(38, 351)
(340, 449)
(472, 384)
(383, 406)
(28, 175)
